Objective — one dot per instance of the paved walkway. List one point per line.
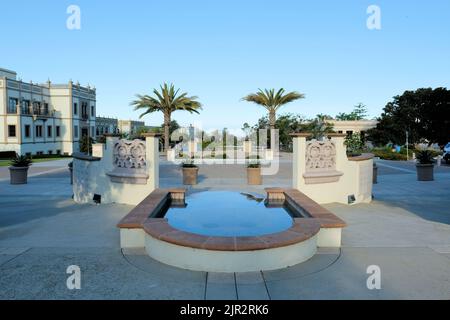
(405, 231)
(39, 168)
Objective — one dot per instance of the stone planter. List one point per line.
(425, 172)
(190, 175)
(254, 176)
(19, 175)
(375, 174)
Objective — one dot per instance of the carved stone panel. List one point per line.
(320, 156)
(129, 162)
(321, 162)
(129, 154)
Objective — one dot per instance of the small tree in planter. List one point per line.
(355, 145)
(190, 172)
(19, 169)
(425, 165)
(254, 172)
(86, 144)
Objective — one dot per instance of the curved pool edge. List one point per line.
(230, 261)
(162, 242)
(231, 254)
(301, 230)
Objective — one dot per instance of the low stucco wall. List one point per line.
(356, 178)
(90, 176)
(230, 261)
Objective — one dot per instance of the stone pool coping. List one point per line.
(302, 229)
(307, 206)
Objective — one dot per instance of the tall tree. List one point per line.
(286, 124)
(424, 113)
(273, 101)
(167, 101)
(359, 113)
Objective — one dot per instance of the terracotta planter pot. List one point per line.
(254, 176)
(425, 172)
(190, 176)
(19, 175)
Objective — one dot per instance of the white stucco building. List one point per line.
(350, 127)
(44, 118)
(106, 125)
(130, 126)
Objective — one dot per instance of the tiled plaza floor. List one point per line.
(405, 231)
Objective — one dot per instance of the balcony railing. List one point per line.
(37, 112)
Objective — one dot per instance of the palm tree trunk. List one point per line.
(272, 119)
(166, 131)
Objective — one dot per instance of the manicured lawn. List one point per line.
(5, 163)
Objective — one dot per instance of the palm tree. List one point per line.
(167, 100)
(273, 101)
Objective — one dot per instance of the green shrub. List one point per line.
(50, 156)
(189, 164)
(86, 144)
(424, 157)
(253, 161)
(21, 161)
(355, 145)
(387, 154)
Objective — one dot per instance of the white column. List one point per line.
(152, 157)
(299, 159)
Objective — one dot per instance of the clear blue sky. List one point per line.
(223, 49)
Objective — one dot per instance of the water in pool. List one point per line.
(226, 214)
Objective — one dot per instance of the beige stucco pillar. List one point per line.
(107, 161)
(152, 158)
(341, 150)
(299, 158)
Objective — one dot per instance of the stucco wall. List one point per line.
(356, 178)
(91, 177)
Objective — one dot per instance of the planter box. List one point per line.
(190, 176)
(254, 176)
(425, 172)
(19, 175)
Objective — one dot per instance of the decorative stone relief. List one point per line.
(320, 156)
(321, 162)
(129, 162)
(129, 154)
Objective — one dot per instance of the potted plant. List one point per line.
(190, 172)
(19, 169)
(254, 172)
(354, 145)
(424, 165)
